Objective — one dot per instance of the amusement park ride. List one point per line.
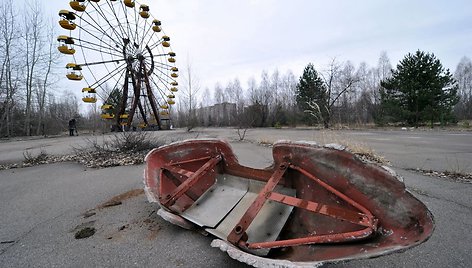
(124, 57)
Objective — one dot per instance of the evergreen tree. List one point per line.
(419, 90)
(311, 95)
(114, 99)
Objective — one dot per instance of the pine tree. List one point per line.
(419, 90)
(311, 95)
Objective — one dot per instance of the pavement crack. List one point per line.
(14, 242)
(423, 193)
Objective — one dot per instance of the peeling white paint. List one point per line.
(257, 261)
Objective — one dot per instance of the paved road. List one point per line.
(41, 207)
(435, 150)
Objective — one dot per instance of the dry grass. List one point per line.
(360, 149)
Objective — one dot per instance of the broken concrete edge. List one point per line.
(260, 262)
(257, 261)
(340, 147)
(175, 219)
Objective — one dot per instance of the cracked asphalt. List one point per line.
(41, 207)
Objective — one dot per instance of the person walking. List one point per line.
(72, 127)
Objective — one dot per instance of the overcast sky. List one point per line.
(229, 38)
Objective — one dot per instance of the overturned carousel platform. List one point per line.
(315, 204)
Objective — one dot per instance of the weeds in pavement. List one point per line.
(122, 149)
(31, 159)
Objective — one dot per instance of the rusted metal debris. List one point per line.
(315, 204)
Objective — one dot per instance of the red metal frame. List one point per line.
(365, 219)
(193, 178)
(238, 235)
(337, 196)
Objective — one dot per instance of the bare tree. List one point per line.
(206, 99)
(463, 75)
(32, 42)
(339, 80)
(238, 95)
(219, 94)
(252, 90)
(9, 73)
(189, 98)
(50, 58)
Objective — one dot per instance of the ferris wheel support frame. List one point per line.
(152, 99)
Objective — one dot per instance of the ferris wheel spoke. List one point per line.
(112, 27)
(146, 32)
(109, 76)
(100, 62)
(161, 55)
(130, 35)
(136, 21)
(99, 46)
(99, 50)
(112, 8)
(165, 82)
(168, 66)
(161, 93)
(93, 25)
(165, 75)
(157, 43)
(96, 37)
(116, 84)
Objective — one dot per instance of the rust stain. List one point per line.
(153, 232)
(117, 200)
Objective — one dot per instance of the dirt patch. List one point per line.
(118, 200)
(88, 214)
(84, 233)
(153, 233)
(108, 221)
(453, 176)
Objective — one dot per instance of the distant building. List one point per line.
(221, 114)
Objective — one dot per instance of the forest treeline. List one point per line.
(416, 91)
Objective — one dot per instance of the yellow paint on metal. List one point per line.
(66, 14)
(66, 50)
(65, 24)
(77, 6)
(106, 106)
(74, 76)
(129, 3)
(144, 14)
(107, 116)
(89, 90)
(89, 99)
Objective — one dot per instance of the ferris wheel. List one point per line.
(121, 54)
